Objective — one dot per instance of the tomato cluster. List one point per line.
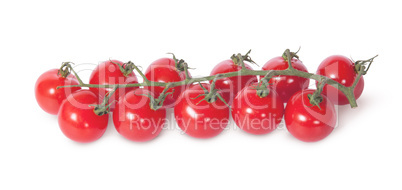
(202, 110)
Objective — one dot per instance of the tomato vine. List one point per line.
(361, 68)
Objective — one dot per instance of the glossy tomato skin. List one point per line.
(78, 121)
(307, 122)
(135, 120)
(202, 120)
(342, 70)
(257, 115)
(107, 73)
(231, 86)
(286, 86)
(164, 70)
(48, 96)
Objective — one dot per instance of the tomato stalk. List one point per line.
(158, 103)
(288, 55)
(186, 71)
(64, 70)
(262, 87)
(316, 98)
(239, 59)
(104, 107)
(181, 65)
(147, 82)
(126, 68)
(212, 95)
(360, 67)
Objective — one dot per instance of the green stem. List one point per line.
(265, 80)
(157, 103)
(288, 56)
(76, 75)
(64, 70)
(104, 107)
(213, 94)
(290, 71)
(146, 81)
(262, 87)
(287, 72)
(186, 71)
(316, 98)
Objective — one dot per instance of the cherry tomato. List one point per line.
(198, 118)
(48, 96)
(342, 70)
(109, 73)
(135, 120)
(286, 86)
(255, 114)
(307, 122)
(231, 86)
(78, 121)
(164, 70)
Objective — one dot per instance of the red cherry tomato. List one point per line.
(164, 70)
(109, 73)
(135, 120)
(78, 121)
(255, 114)
(307, 122)
(48, 96)
(231, 86)
(286, 86)
(200, 119)
(342, 70)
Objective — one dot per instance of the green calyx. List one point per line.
(212, 95)
(209, 96)
(238, 59)
(262, 90)
(101, 109)
(288, 55)
(360, 65)
(104, 107)
(65, 69)
(315, 99)
(126, 68)
(179, 64)
(262, 86)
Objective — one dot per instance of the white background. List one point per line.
(363, 151)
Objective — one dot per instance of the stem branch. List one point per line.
(76, 75)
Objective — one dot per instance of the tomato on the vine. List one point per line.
(134, 119)
(308, 122)
(232, 85)
(257, 114)
(342, 70)
(77, 119)
(199, 118)
(286, 86)
(109, 73)
(48, 96)
(165, 70)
